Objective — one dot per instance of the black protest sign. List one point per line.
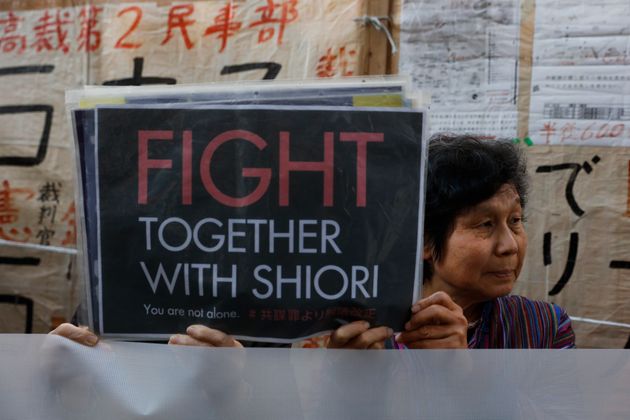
(268, 223)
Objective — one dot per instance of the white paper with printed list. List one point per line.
(581, 74)
(466, 55)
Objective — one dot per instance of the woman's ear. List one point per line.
(427, 267)
(427, 252)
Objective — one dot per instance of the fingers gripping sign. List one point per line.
(200, 335)
(81, 335)
(359, 335)
(437, 322)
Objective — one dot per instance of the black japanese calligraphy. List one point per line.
(569, 265)
(575, 169)
(138, 79)
(272, 69)
(13, 160)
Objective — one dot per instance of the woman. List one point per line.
(475, 244)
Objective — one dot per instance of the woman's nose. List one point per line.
(506, 241)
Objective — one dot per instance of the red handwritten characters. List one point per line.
(273, 13)
(177, 20)
(9, 213)
(566, 132)
(89, 38)
(10, 40)
(341, 63)
(50, 33)
(127, 45)
(549, 129)
(70, 219)
(224, 24)
(570, 132)
(16, 235)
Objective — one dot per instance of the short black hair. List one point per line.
(463, 171)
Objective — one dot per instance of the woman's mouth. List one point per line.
(503, 274)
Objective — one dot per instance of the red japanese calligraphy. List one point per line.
(549, 129)
(89, 39)
(10, 40)
(273, 13)
(70, 219)
(9, 213)
(15, 235)
(569, 132)
(566, 132)
(224, 25)
(340, 63)
(587, 134)
(50, 32)
(121, 43)
(325, 67)
(177, 20)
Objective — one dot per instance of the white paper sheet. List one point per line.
(466, 55)
(581, 73)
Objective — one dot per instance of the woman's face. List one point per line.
(484, 254)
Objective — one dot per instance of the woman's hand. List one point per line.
(436, 323)
(359, 335)
(81, 335)
(200, 335)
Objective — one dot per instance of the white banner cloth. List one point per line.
(48, 377)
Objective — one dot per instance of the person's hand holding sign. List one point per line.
(81, 335)
(196, 335)
(436, 322)
(359, 335)
(200, 335)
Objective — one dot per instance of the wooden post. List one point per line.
(395, 13)
(376, 42)
(528, 23)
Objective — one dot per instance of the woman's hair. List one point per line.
(463, 171)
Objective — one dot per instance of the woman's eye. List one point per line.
(486, 224)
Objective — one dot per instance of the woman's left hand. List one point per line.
(437, 322)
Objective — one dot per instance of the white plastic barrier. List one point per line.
(48, 377)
